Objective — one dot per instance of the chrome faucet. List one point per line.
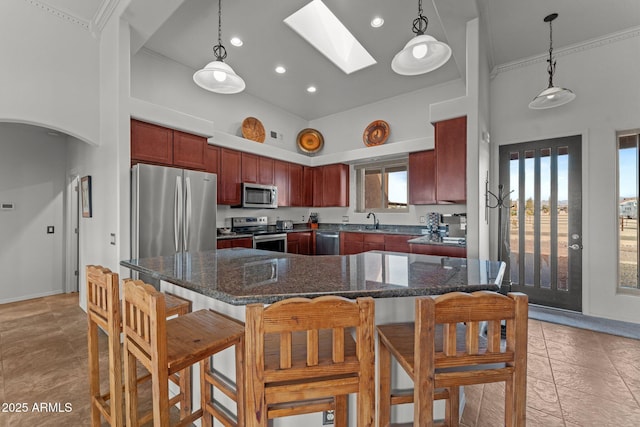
(376, 223)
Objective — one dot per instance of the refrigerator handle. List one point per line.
(177, 213)
(187, 220)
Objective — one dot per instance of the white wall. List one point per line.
(162, 81)
(605, 80)
(49, 71)
(32, 176)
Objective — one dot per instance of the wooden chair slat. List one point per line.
(456, 362)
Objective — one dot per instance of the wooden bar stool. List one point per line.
(301, 357)
(166, 346)
(438, 365)
(103, 310)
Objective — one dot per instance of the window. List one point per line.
(628, 211)
(382, 187)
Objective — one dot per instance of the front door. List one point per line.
(542, 243)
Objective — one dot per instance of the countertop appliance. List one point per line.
(172, 211)
(327, 243)
(284, 224)
(264, 237)
(259, 196)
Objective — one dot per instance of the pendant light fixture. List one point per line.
(423, 53)
(217, 76)
(552, 96)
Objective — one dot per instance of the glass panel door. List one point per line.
(543, 242)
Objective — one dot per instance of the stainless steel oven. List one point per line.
(270, 242)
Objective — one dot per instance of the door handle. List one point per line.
(187, 219)
(575, 247)
(177, 212)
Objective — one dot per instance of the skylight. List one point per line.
(323, 30)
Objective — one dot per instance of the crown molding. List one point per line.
(60, 14)
(568, 50)
(97, 23)
(102, 15)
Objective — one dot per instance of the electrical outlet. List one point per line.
(345, 219)
(327, 418)
(422, 220)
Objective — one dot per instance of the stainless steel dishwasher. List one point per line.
(327, 243)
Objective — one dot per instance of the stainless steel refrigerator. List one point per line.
(173, 211)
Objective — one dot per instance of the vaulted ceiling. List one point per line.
(516, 31)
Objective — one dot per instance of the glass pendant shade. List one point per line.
(552, 97)
(421, 54)
(219, 77)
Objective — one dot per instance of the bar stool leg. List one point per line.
(240, 396)
(205, 392)
(341, 414)
(384, 386)
(131, 396)
(94, 372)
(185, 391)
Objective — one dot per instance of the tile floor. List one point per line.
(575, 377)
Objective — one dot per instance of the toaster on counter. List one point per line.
(284, 224)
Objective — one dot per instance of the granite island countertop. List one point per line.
(241, 276)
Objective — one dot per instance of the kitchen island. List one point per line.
(227, 280)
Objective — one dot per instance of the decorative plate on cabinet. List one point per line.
(252, 129)
(376, 133)
(310, 140)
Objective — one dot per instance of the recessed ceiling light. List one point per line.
(377, 22)
(311, 89)
(280, 69)
(323, 30)
(236, 41)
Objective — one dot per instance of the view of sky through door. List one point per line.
(628, 211)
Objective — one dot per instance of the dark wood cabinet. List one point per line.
(397, 242)
(318, 179)
(451, 160)
(372, 242)
(265, 171)
(281, 180)
(189, 150)
(351, 243)
(241, 242)
(307, 186)
(212, 159)
(151, 143)
(249, 168)
(301, 242)
(296, 184)
(163, 146)
(354, 242)
(229, 177)
(438, 250)
(331, 185)
(422, 178)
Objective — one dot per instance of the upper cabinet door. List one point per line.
(281, 180)
(307, 186)
(336, 182)
(189, 150)
(296, 184)
(151, 143)
(422, 178)
(249, 168)
(230, 177)
(265, 171)
(212, 159)
(451, 160)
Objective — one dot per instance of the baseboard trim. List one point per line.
(582, 321)
(32, 296)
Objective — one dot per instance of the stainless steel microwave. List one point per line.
(259, 196)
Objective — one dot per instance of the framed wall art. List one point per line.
(85, 194)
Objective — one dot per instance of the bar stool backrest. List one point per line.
(144, 322)
(312, 341)
(103, 296)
